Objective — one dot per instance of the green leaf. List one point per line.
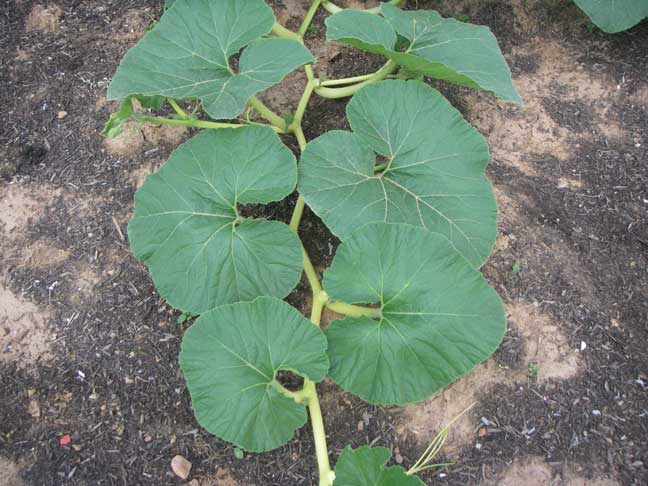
(151, 102)
(188, 53)
(435, 178)
(614, 16)
(365, 466)
(456, 52)
(187, 230)
(230, 357)
(115, 124)
(439, 316)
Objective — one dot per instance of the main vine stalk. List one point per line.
(308, 394)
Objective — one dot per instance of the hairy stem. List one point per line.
(267, 113)
(335, 93)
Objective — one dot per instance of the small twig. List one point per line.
(119, 231)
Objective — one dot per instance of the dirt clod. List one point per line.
(44, 18)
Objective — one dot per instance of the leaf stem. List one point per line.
(184, 123)
(301, 107)
(326, 475)
(267, 113)
(332, 8)
(313, 280)
(335, 93)
(381, 167)
(177, 108)
(338, 82)
(309, 17)
(354, 310)
(300, 396)
(280, 31)
(193, 123)
(297, 213)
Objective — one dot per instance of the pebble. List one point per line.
(181, 467)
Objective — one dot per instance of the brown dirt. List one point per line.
(44, 19)
(534, 471)
(24, 337)
(9, 473)
(544, 343)
(570, 178)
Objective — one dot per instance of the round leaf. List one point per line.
(456, 52)
(614, 16)
(365, 466)
(230, 357)
(187, 55)
(439, 316)
(187, 230)
(435, 175)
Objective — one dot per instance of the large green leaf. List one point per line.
(365, 466)
(439, 316)
(435, 177)
(188, 53)
(446, 49)
(230, 358)
(187, 227)
(614, 15)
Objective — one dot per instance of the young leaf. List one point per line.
(433, 177)
(446, 49)
(115, 124)
(365, 466)
(230, 357)
(188, 231)
(439, 316)
(614, 16)
(187, 56)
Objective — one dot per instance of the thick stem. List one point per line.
(309, 17)
(313, 279)
(267, 113)
(326, 475)
(335, 93)
(301, 107)
(280, 31)
(354, 310)
(297, 213)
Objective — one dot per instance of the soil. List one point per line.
(91, 390)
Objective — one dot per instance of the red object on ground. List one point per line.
(65, 440)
